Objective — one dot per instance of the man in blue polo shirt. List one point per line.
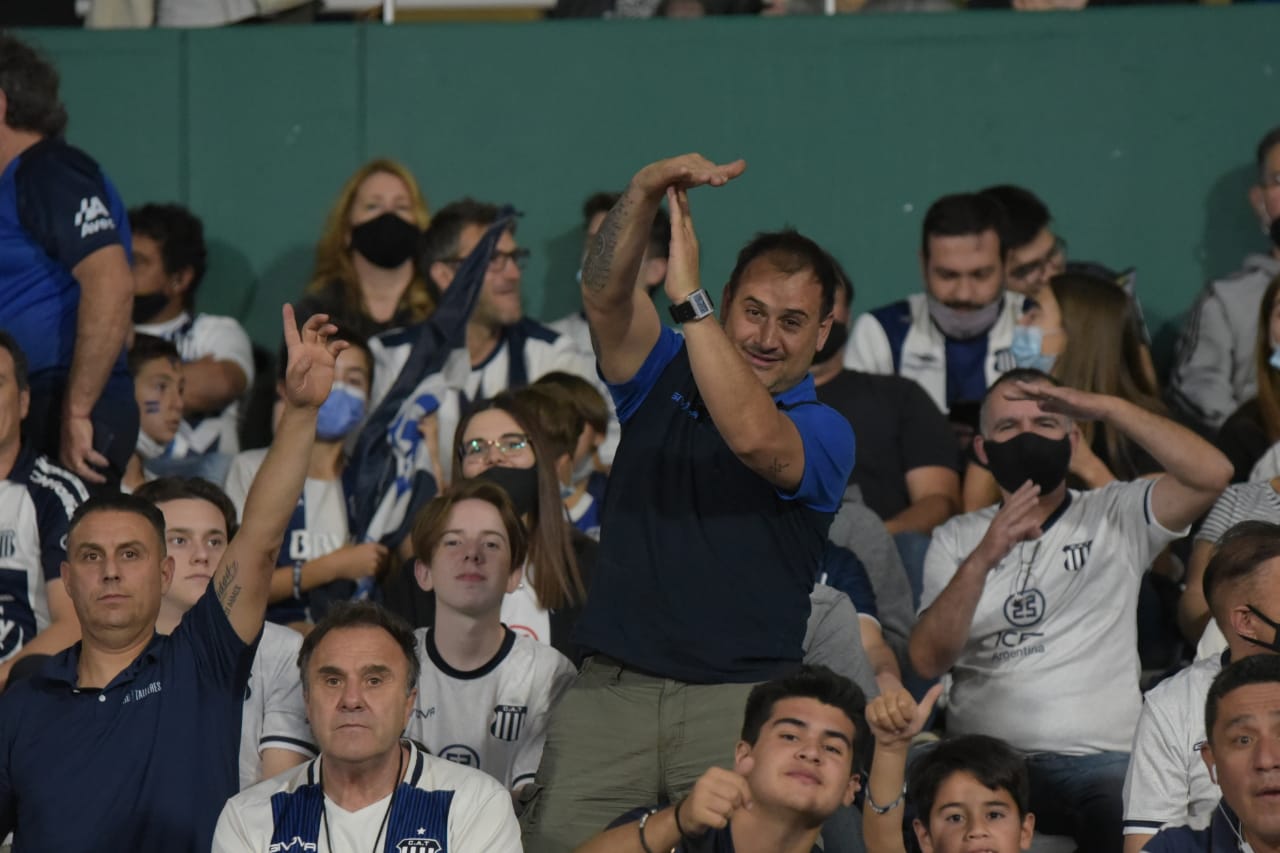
(66, 292)
(129, 740)
(723, 487)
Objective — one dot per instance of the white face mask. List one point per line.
(148, 448)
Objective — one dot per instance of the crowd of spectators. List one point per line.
(497, 584)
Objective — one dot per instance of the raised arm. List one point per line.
(939, 636)
(624, 323)
(212, 384)
(243, 578)
(763, 437)
(1196, 472)
(102, 323)
(894, 719)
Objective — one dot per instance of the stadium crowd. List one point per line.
(958, 574)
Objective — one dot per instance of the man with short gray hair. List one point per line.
(369, 786)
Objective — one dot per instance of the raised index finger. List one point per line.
(291, 335)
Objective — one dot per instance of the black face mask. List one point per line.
(520, 484)
(1028, 456)
(1274, 645)
(387, 241)
(148, 305)
(835, 342)
(1275, 232)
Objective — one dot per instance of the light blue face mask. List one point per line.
(1027, 349)
(1275, 357)
(342, 410)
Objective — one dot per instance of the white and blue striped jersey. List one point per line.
(438, 807)
(37, 501)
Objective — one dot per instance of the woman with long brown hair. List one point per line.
(365, 270)
(1079, 329)
(1255, 426)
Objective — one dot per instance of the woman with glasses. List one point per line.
(365, 271)
(503, 440)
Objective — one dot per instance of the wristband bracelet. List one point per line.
(686, 836)
(878, 809)
(297, 581)
(643, 820)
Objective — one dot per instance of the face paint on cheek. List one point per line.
(151, 407)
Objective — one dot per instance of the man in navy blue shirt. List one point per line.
(1242, 751)
(66, 291)
(140, 733)
(724, 485)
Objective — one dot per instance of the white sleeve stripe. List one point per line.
(522, 778)
(71, 480)
(68, 503)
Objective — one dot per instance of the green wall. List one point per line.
(1136, 125)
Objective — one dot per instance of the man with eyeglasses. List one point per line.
(1033, 252)
(1215, 372)
(507, 349)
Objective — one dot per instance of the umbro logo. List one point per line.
(93, 217)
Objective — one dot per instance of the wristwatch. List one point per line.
(695, 306)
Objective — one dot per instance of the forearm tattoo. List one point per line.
(598, 265)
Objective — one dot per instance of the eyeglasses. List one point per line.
(519, 257)
(1052, 261)
(512, 442)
